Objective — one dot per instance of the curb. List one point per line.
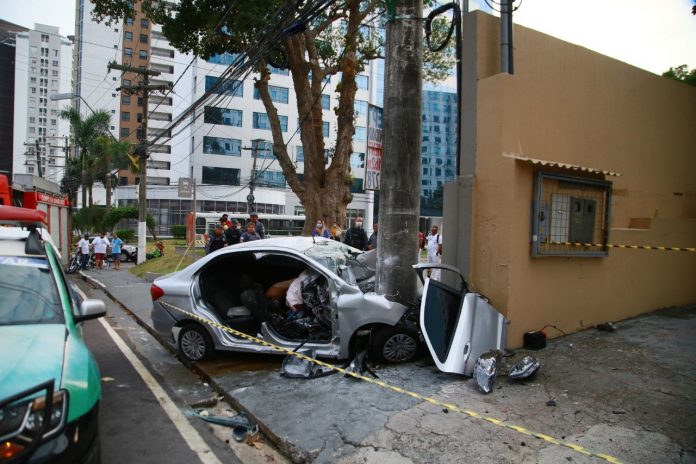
(295, 454)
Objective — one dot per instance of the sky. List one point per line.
(650, 34)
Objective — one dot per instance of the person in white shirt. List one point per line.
(83, 245)
(434, 246)
(100, 245)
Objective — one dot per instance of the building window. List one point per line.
(224, 116)
(143, 38)
(125, 116)
(360, 108)
(128, 51)
(126, 82)
(129, 21)
(144, 23)
(226, 87)
(125, 100)
(222, 146)
(128, 35)
(278, 94)
(223, 58)
(283, 72)
(325, 102)
(357, 160)
(272, 179)
(220, 176)
(567, 211)
(142, 54)
(264, 150)
(125, 132)
(261, 121)
(363, 82)
(360, 134)
(44, 38)
(299, 154)
(325, 129)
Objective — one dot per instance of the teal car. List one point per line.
(50, 387)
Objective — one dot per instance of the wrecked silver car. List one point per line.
(286, 291)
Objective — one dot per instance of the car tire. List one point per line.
(393, 345)
(195, 344)
(124, 257)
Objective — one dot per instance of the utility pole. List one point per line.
(143, 88)
(251, 205)
(400, 174)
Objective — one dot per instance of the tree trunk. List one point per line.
(400, 189)
(91, 200)
(107, 187)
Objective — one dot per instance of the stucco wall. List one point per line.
(569, 104)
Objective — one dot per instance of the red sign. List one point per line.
(51, 200)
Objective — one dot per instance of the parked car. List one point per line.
(128, 252)
(241, 287)
(50, 385)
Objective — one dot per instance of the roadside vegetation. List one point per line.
(172, 261)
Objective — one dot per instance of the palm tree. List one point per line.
(85, 132)
(109, 155)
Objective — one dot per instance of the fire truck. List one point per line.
(34, 192)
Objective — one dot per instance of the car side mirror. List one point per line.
(90, 309)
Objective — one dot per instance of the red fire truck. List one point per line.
(36, 193)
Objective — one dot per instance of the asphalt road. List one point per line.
(144, 419)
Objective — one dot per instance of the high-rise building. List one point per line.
(438, 149)
(138, 43)
(42, 69)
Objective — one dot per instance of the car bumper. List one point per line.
(77, 443)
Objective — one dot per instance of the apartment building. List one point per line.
(42, 69)
(138, 43)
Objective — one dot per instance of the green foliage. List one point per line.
(126, 235)
(89, 220)
(179, 231)
(126, 212)
(682, 74)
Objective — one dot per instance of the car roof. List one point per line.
(13, 240)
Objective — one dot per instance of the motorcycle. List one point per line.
(76, 262)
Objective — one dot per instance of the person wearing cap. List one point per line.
(254, 218)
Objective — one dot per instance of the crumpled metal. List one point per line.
(524, 368)
(486, 370)
(302, 368)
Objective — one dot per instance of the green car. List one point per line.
(49, 381)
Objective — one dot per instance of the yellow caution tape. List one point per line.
(632, 247)
(449, 406)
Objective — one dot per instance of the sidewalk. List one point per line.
(630, 394)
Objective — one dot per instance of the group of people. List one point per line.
(101, 246)
(334, 232)
(229, 232)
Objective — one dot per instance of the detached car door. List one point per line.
(458, 325)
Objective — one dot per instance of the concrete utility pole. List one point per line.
(143, 88)
(400, 187)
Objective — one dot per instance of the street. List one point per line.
(146, 412)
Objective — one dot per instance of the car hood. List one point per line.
(32, 354)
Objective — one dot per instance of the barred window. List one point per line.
(571, 216)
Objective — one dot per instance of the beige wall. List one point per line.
(569, 104)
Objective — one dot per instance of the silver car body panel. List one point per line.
(458, 327)
(350, 308)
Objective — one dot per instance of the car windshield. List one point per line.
(28, 292)
(342, 260)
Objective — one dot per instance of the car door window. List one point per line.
(28, 292)
(441, 308)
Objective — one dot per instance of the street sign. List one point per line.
(375, 130)
(185, 187)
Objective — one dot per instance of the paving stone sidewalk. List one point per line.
(630, 394)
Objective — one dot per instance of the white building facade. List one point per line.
(42, 69)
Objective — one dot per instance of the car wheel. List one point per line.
(393, 345)
(195, 343)
(124, 256)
